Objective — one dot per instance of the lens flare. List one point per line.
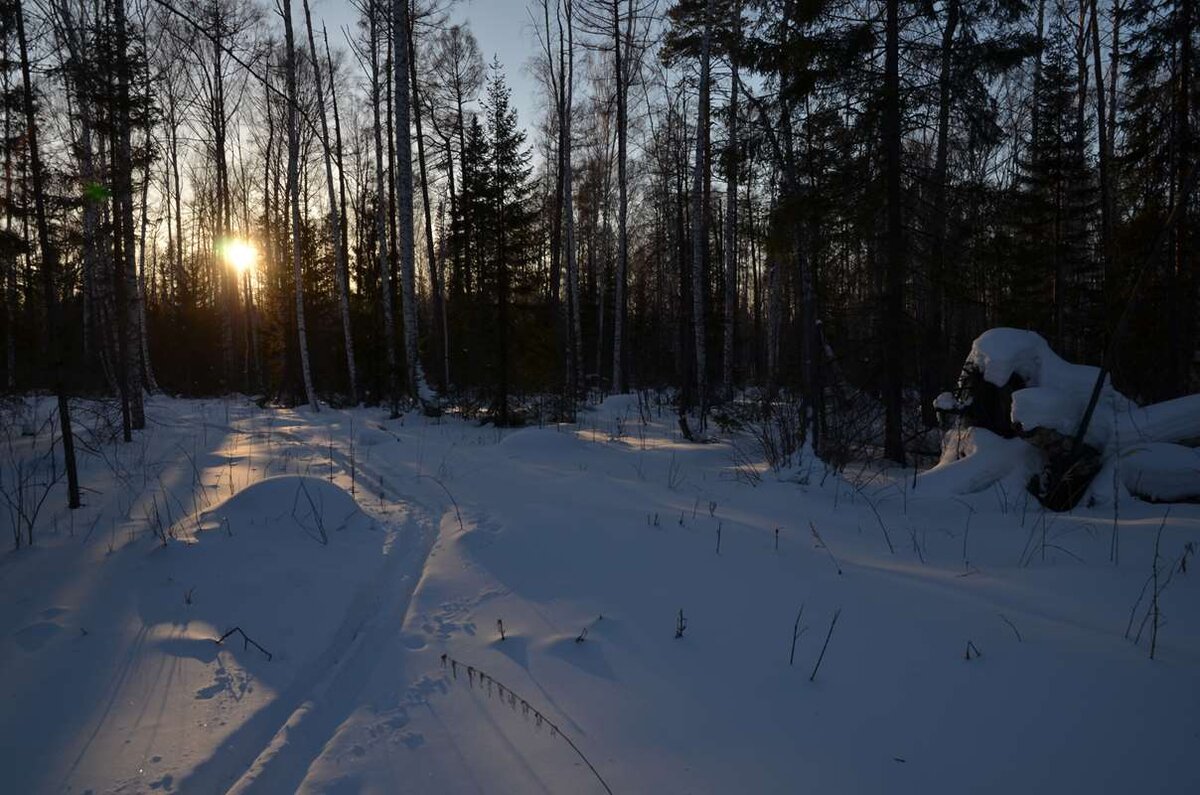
(241, 254)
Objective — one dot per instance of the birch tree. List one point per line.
(335, 212)
(293, 194)
(403, 178)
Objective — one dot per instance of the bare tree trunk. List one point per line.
(731, 217)
(335, 218)
(293, 185)
(49, 267)
(435, 283)
(177, 197)
(620, 56)
(1104, 146)
(404, 202)
(381, 224)
(893, 291)
(218, 122)
(9, 277)
(575, 347)
(340, 155)
(124, 196)
(935, 294)
(1114, 74)
(1185, 276)
(698, 220)
(774, 322)
(1039, 46)
(147, 369)
(268, 225)
(557, 83)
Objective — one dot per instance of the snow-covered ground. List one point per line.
(371, 561)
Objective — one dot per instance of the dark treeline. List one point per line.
(827, 199)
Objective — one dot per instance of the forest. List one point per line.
(823, 200)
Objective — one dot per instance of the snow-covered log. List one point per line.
(1018, 406)
(973, 459)
(1161, 472)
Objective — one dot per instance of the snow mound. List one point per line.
(315, 507)
(613, 406)
(540, 444)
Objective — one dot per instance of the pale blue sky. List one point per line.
(502, 28)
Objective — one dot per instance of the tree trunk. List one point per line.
(435, 282)
(147, 373)
(893, 291)
(49, 267)
(699, 230)
(935, 344)
(731, 217)
(620, 56)
(1104, 147)
(381, 214)
(341, 164)
(293, 189)
(218, 121)
(124, 201)
(575, 344)
(1185, 264)
(342, 268)
(554, 293)
(404, 202)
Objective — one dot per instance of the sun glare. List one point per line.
(241, 254)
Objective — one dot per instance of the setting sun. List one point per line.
(241, 254)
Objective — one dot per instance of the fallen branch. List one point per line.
(247, 641)
(508, 696)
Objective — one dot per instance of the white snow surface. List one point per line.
(974, 459)
(1160, 471)
(358, 551)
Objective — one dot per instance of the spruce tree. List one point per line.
(510, 213)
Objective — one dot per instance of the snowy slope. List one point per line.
(610, 526)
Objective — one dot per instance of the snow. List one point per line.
(1001, 353)
(1160, 471)
(609, 526)
(974, 459)
(1056, 391)
(1175, 420)
(1055, 397)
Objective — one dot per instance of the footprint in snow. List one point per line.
(35, 636)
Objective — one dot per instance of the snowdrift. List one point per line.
(290, 506)
(1018, 406)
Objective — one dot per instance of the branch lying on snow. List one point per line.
(509, 697)
(247, 641)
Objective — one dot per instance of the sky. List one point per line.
(503, 29)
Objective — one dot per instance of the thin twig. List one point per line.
(825, 646)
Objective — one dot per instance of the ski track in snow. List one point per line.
(565, 529)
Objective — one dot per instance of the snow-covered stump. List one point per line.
(1015, 414)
